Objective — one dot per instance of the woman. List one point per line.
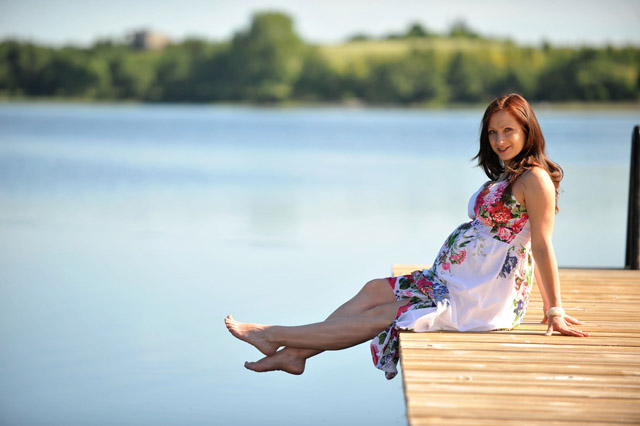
(481, 279)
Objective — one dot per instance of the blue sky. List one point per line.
(595, 22)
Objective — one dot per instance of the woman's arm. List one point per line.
(545, 300)
(538, 193)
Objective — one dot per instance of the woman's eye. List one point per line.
(492, 132)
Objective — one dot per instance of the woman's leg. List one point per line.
(292, 359)
(331, 334)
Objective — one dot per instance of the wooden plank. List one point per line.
(514, 369)
(534, 390)
(505, 390)
(499, 354)
(507, 338)
(536, 378)
(508, 377)
(434, 420)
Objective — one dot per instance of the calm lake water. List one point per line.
(127, 233)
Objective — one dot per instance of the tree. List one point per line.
(520, 76)
(264, 62)
(604, 81)
(460, 29)
(417, 31)
(23, 65)
(317, 80)
(588, 75)
(70, 73)
(464, 78)
(413, 79)
(359, 37)
(189, 72)
(124, 79)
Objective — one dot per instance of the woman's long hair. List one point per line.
(533, 152)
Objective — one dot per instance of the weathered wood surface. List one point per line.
(522, 376)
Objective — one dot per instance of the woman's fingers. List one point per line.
(574, 332)
(572, 320)
(560, 324)
(549, 329)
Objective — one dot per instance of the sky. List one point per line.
(563, 22)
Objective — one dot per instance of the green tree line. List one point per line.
(269, 62)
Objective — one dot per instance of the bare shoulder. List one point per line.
(537, 178)
(536, 184)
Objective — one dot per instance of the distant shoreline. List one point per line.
(354, 104)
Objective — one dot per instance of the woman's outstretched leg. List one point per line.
(292, 360)
(331, 334)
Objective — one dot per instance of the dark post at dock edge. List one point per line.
(632, 256)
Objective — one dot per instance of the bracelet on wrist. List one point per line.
(555, 312)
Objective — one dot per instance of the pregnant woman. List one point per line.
(482, 277)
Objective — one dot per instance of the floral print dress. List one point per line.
(480, 281)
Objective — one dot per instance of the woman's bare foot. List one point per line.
(285, 360)
(254, 334)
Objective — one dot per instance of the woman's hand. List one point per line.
(561, 324)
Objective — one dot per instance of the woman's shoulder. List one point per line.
(534, 183)
(536, 177)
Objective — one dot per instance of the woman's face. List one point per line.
(506, 136)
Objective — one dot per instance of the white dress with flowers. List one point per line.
(481, 279)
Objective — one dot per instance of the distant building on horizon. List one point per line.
(148, 40)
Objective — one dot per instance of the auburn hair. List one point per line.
(533, 153)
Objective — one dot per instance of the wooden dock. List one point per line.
(524, 377)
